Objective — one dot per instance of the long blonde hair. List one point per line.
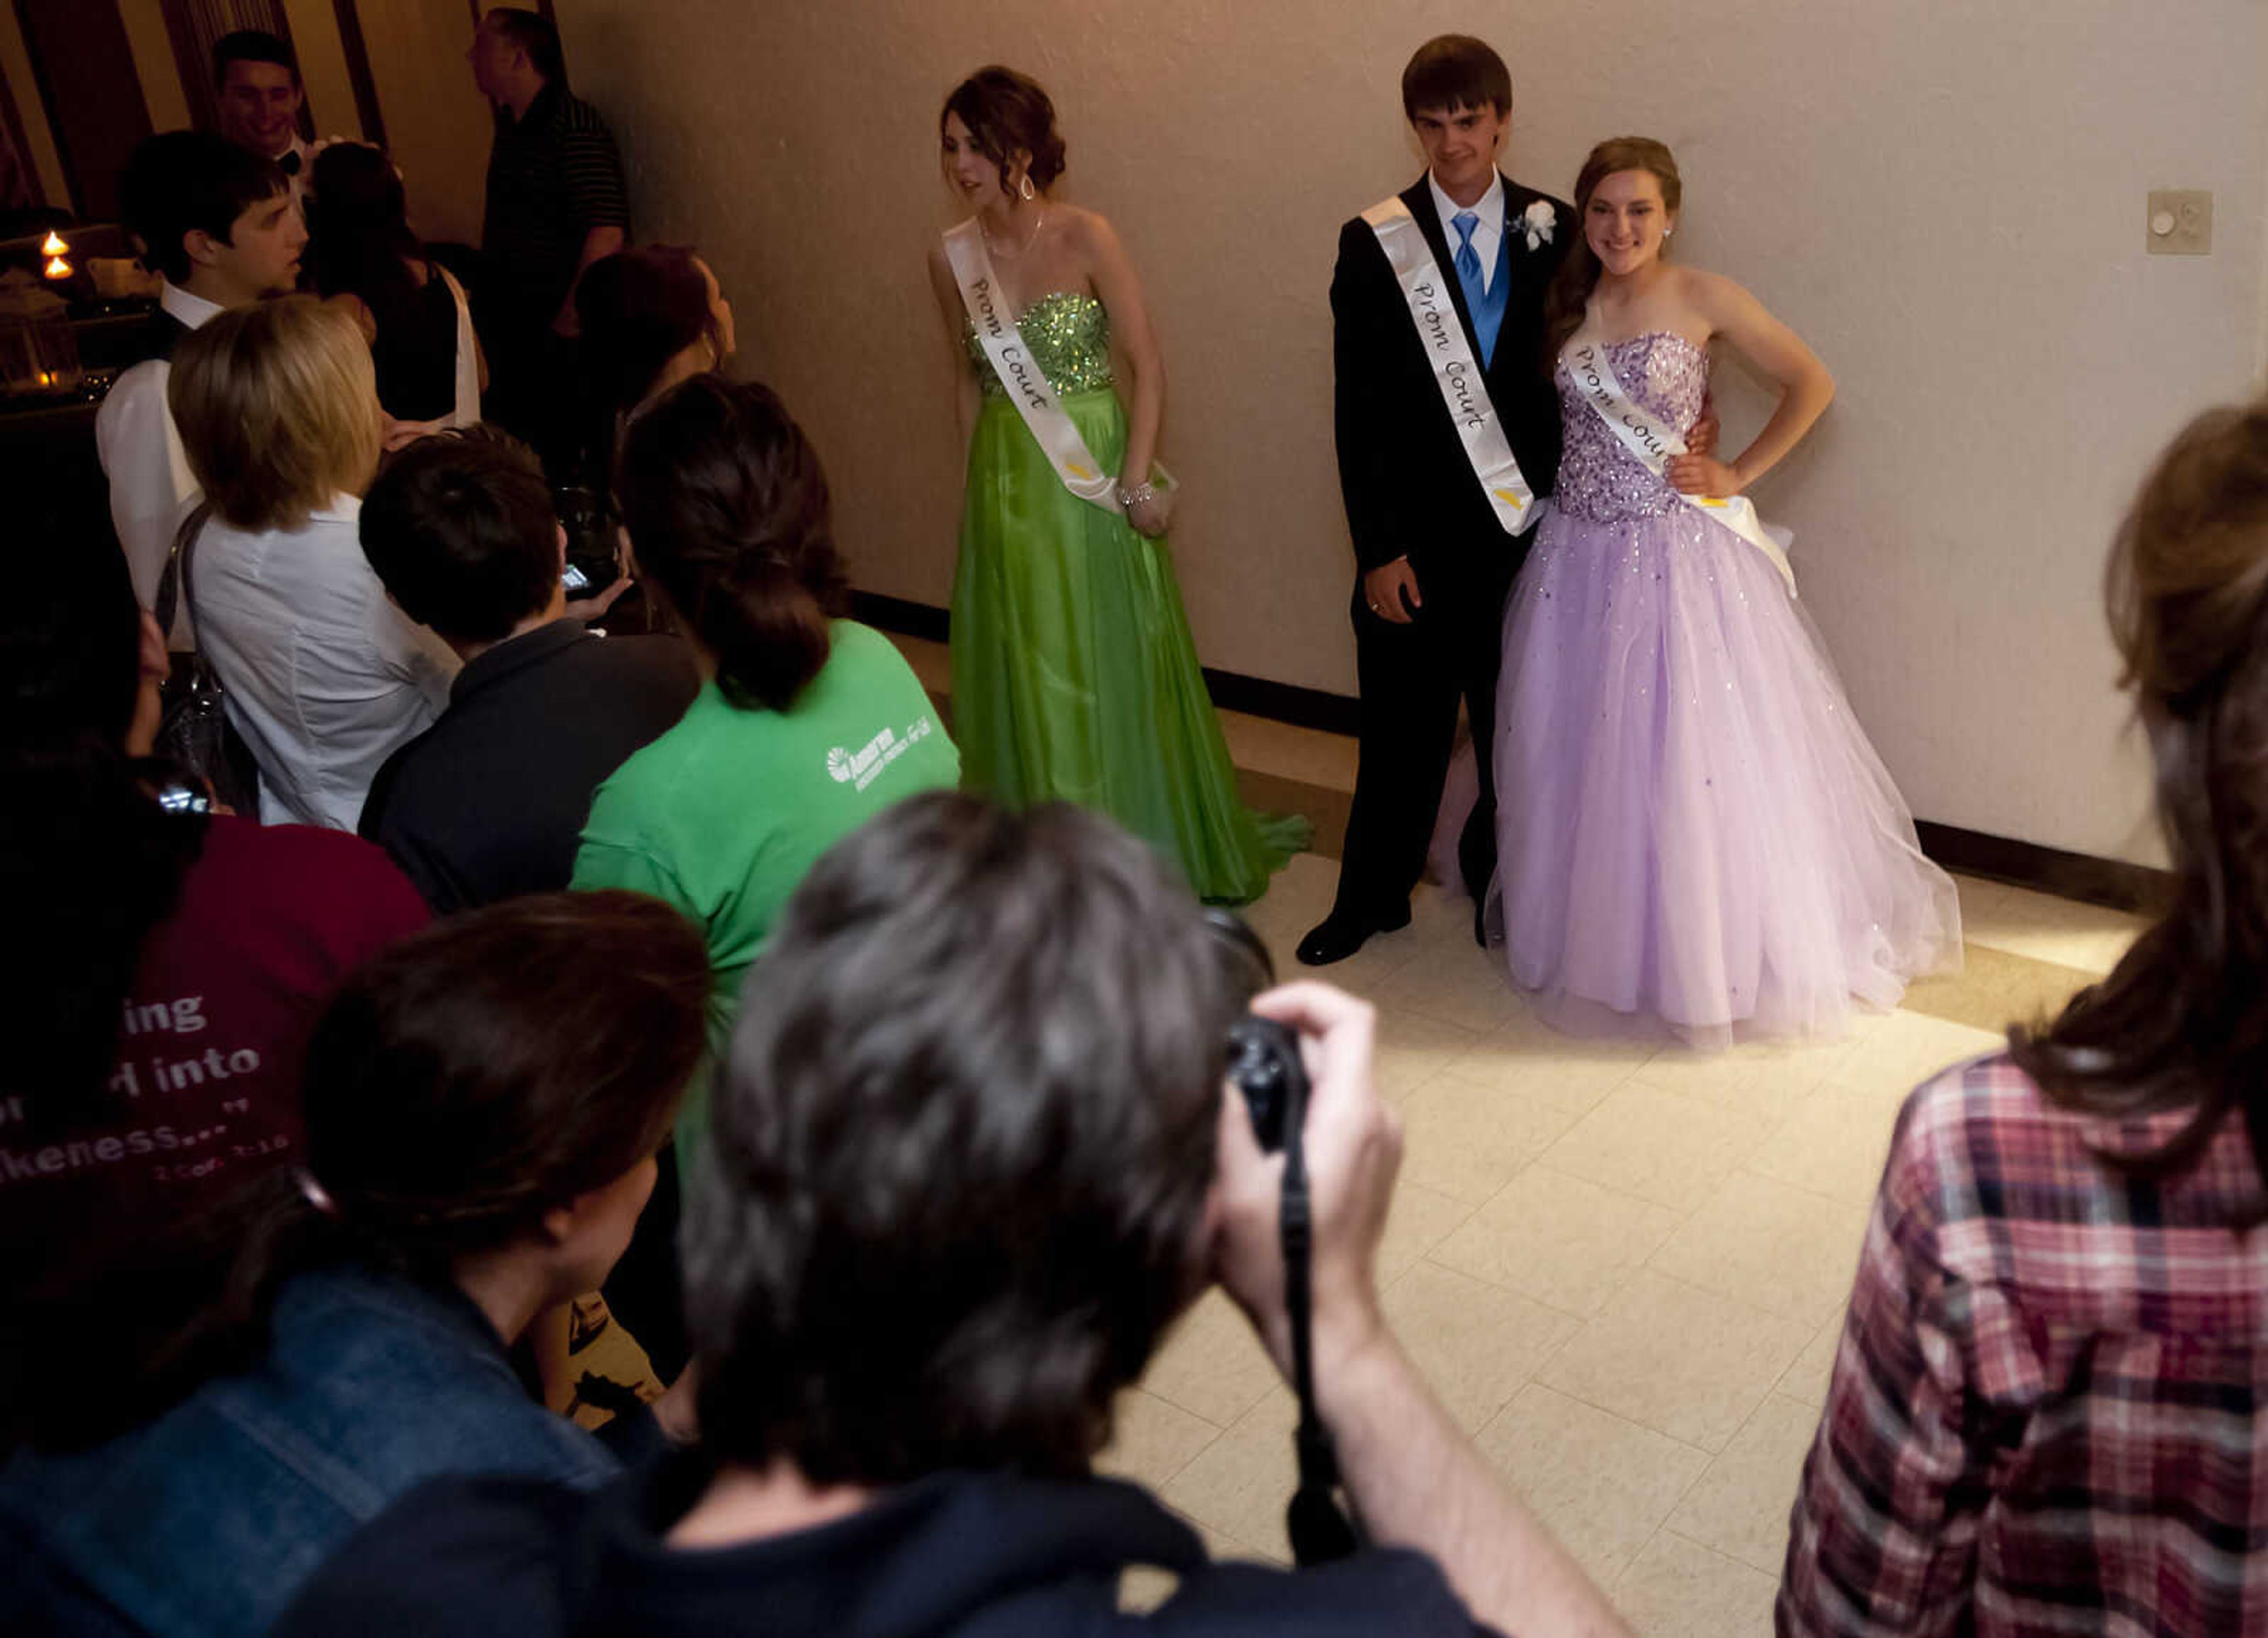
(277, 407)
(1579, 271)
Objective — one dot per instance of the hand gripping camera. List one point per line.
(1264, 1064)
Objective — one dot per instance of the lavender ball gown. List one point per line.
(1692, 826)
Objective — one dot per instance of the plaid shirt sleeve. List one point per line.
(1884, 1538)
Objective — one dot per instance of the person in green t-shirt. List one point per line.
(807, 723)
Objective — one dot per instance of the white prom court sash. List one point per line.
(1455, 371)
(1645, 436)
(467, 407)
(1028, 388)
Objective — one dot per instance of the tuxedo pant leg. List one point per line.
(1480, 657)
(1409, 677)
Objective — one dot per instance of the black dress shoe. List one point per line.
(1341, 933)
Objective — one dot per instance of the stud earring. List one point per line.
(1025, 189)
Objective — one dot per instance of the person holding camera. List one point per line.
(489, 801)
(973, 1154)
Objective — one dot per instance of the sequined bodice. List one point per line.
(1069, 335)
(1599, 479)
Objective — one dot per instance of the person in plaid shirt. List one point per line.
(2043, 1416)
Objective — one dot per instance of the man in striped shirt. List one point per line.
(555, 205)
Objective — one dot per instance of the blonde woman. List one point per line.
(278, 408)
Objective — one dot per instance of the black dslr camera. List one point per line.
(1264, 1064)
(1264, 1060)
(1263, 1056)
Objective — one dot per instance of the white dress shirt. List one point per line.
(1488, 232)
(151, 486)
(324, 676)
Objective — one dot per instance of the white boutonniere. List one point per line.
(1539, 219)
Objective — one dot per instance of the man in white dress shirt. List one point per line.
(219, 224)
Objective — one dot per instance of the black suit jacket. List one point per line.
(158, 338)
(490, 802)
(1408, 486)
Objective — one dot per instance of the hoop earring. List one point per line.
(1025, 189)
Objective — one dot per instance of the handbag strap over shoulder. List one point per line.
(175, 585)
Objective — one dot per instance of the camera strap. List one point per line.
(1320, 1529)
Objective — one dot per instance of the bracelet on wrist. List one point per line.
(1129, 499)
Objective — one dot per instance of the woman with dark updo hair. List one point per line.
(651, 317)
(806, 723)
(1074, 677)
(363, 256)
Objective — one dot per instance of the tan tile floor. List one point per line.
(1622, 1264)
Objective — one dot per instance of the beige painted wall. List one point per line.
(31, 110)
(1945, 196)
(315, 39)
(437, 125)
(322, 57)
(154, 65)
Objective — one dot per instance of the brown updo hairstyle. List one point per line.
(1008, 112)
(728, 512)
(1579, 271)
(638, 309)
(2182, 1022)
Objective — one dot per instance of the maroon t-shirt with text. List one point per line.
(205, 1085)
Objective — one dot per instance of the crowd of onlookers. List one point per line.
(892, 1124)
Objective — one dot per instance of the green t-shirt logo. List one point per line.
(860, 769)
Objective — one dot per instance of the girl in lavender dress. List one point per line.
(1693, 828)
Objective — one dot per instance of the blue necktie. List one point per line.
(1468, 261)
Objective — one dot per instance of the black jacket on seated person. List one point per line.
(490, 802)
(953, 1555)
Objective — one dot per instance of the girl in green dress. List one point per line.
(1073, 674)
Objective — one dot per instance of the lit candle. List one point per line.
(57, 267)
(54, 246)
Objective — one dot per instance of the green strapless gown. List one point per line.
(1073, 674)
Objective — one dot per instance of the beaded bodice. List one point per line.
(1599, 479)
(1069, 334)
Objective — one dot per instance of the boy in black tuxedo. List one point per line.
(1436, 554)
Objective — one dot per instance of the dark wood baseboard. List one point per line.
(902, 616)
(1231, 691)
(1284, 703)
(2113, 883)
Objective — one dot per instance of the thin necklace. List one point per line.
(1039, 221)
